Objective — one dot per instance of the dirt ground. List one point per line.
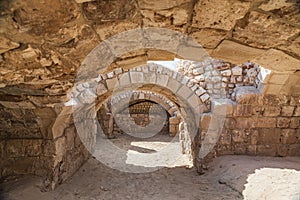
(228, 178)
(268, 178)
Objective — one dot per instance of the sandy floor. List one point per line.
(268, 178)
(169, 178)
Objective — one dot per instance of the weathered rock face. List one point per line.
(41, 50)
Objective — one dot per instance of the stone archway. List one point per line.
(120, 102)
(150, 77)
(232, 78)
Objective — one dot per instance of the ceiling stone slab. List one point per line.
(107, 11)
(219, 14)
(288, 10)
(278, 61)
(235, 52)
(209, 38)
(293, 46)
(264, 31)
(161, 5)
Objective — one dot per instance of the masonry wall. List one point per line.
(263, 125)
(139, 115)
(26, 143)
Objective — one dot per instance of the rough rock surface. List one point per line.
(41, 51)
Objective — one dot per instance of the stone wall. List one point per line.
(264, 125)
(26, 142)
(139, 114)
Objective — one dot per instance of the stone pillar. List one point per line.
(173, 126)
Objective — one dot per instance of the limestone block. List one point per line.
(198, 71)
(6, 45)
(192, 52)
(194, 101)
(60, 148)
(272, 111)
(15, 148)
(200, 91)
(110, 74)
(288, 136)
(239, 136)
(33, 148)
(160, 5)
(261, 30)
(213, 14)
(173, 130)
(48, 148)
(205, 121)
(87, 96)
(136, 77)
(132, 62)
(226, 73)
(295, 122)
(295, 101)
(101, 89)
(195, 87)
(199, 78)
(162, 80)
(297, 111)
(279, 79)
(112, 83)
(274, 89)
(293, 47)
(30, 53)
(172, 110)
(202, 108)
(180, 16)
(209, 38)
(266, 150)
(276, 60)
(244, 123)
(205, 97)
(269, 136)
(265, 122)
(124, 80)
(283, 122)
(243, 110)
(185, 80)
(294, 90)
(150, 77)
(174, 120)
(294, 150)
(235, 52)
(184, 92)
(287, 111)
(237, 71)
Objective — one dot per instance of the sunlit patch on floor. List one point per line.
(273, 183)
(168, 154)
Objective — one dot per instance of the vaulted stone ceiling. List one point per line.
(43, 43)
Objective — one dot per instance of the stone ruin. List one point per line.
(246, 98)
